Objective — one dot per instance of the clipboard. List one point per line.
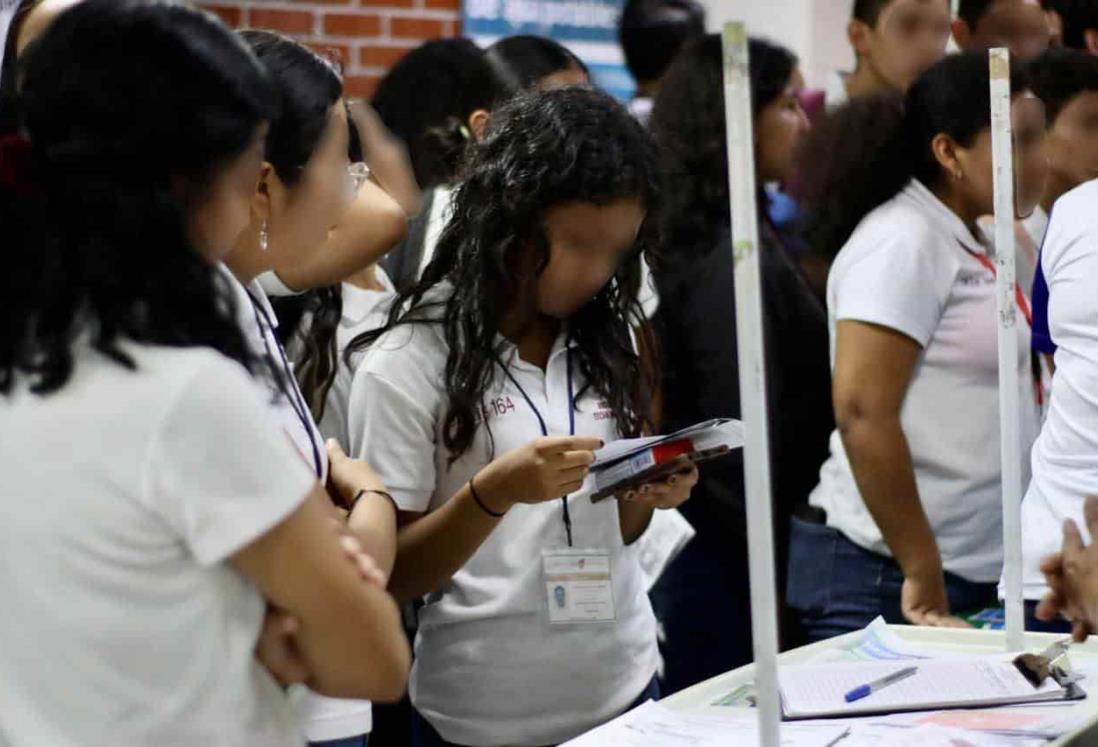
(817, 690)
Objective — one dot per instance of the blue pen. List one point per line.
(871, 687)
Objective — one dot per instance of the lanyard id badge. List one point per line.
(579, 586)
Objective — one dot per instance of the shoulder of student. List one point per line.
(201, 380)
(1073, 225)
(899, 232)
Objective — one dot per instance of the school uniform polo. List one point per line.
(322, 718)
(126, 493)
(363, 310)
(259, 323)
(489, 668)
(914, 267)
(1065, 455)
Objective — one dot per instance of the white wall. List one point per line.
(814, 29)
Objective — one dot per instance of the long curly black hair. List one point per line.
(541, 150)
(688, 122)
(130, 106)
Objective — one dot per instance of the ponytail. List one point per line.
(865, 153)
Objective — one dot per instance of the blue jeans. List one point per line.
(702, 603)
(424, 735)
(836, 586)
(361, 741)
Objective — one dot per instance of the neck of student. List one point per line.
(1056, 188)
(366, 279)
(532, 333)
(960, 206)
(864, 81)
(247, 260)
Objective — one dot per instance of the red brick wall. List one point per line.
(367, 35)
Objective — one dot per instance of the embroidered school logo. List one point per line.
(603, 411)
(975, 278)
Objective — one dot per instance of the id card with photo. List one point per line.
(578, 586)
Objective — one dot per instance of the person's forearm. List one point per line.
(371, 226)
(881, 462)
(392, 170)
(374, 523)
(634, 519)
(433, 548)
(388, 159)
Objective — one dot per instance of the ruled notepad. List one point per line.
(818, 690)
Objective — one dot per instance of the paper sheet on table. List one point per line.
(818, 690)
(1047, 721)
(872, 735)
(655, 725)
(877, 642)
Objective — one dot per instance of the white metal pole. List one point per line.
(1009, 383)
(749, 331)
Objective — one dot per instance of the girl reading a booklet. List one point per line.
(495, 380)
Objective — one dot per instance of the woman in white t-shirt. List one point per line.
(906, 521)
(303, 194)
(149, 501)
(496, 379)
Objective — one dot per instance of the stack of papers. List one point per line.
(655, 725)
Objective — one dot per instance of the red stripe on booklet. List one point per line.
(665, 452)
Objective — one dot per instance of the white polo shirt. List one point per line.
(1065, 456)
(489, 668)
(322, 718)
(909, 266)
(260, 326)
(363, 310)
(125, 494)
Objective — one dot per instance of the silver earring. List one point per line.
(264, 238)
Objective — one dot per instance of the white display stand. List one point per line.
(702, 696)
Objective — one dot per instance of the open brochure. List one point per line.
(628, 463)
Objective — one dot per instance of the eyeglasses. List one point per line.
(357, 175)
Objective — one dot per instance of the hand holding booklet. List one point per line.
(628, 463)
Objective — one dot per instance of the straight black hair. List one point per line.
(95, 221)
(651, 33)
(1077, 17)
(1059, 75)
(426, 100)
(865, 153)
(307, 86)
(522, 62)
(973, 11)
(688, 122)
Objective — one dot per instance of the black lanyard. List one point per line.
(289, 390)
(567, 516)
